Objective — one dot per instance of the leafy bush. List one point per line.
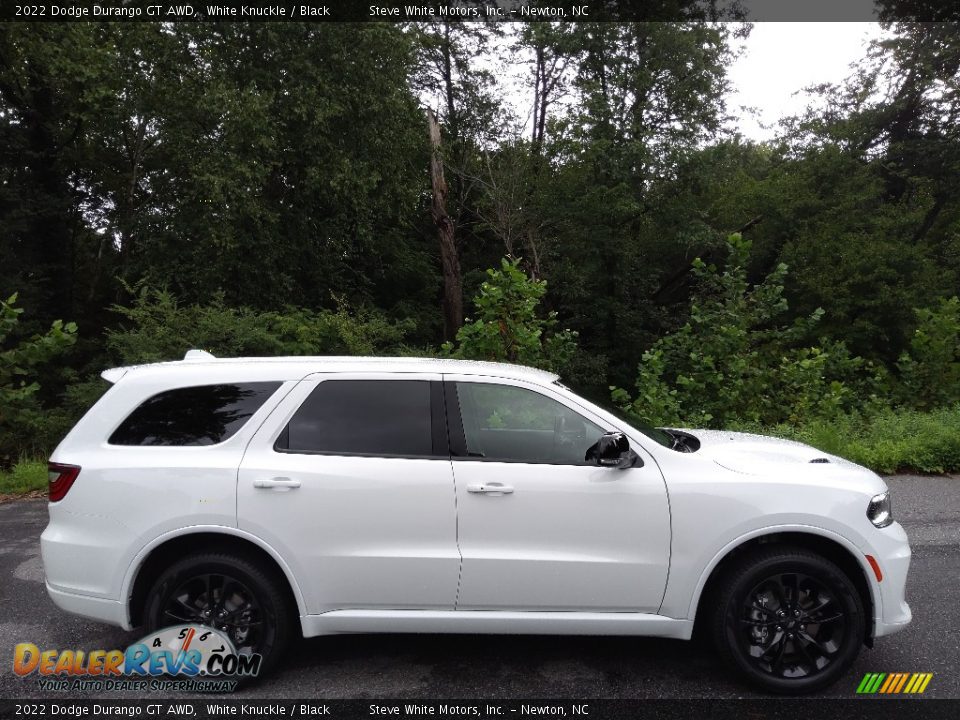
(734, 361)
(157, 327)
(508, 327)
(890, 441)
(26, 476)
(23, 425)
(930, 370)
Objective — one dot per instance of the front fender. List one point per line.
(682, 602)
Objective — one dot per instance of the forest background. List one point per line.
(263, 189)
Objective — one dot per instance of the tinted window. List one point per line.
(367, 417)
(202, 415)
(511, 423)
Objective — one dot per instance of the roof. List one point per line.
(297, 366)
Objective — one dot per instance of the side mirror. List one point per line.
(613, 450)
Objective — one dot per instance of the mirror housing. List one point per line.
(613, 450)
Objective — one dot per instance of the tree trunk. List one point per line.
(449, 261)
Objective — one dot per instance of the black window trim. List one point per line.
(458, 438)
(438, 425)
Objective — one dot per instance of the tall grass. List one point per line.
(24, 477)
(892, 441)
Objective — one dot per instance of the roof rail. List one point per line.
(198, 355)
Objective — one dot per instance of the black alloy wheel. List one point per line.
(219, 601)
(230, 593)
(789, 620)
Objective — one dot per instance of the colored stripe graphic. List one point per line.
(894, 683)
(862, 687)
(903, 680)
(891, 680)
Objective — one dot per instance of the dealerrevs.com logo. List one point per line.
(182, 657)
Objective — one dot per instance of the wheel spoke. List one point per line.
(759, 623)
(756, 606)
(821, 648)
(769, 646)
(185, 608)
(226, 592)
(219, 592)
(823, 620)
(776, 585)
(793, 585)
(824, 602)
(806, 653)
(209, 593)
(173, 616)
(243, 624)
(778, 660)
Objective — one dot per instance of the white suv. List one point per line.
(274, 496)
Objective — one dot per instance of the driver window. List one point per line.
(503, 422)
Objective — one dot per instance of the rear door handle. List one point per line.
(277, 483)
(490, 489)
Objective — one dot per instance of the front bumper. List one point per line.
(892, 552)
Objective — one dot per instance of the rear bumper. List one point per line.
(95, 608)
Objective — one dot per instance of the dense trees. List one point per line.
(272, 181)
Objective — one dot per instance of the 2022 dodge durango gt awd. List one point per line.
(270, 497)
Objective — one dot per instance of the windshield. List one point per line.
(651, 432)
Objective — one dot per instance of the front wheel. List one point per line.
(789, 620)
(230, 593)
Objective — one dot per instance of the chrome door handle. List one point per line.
(277, 483)
(490, 488)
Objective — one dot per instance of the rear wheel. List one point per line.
(231, 593)
(788, 620)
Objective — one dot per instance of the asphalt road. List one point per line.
(507, 667)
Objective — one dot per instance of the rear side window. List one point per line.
(201, 415)
(363, 417)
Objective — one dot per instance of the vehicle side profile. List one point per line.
(277, 497)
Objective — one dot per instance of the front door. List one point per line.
(539, 528)
(350, 481)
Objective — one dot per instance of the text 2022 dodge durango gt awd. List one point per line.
(268, 497)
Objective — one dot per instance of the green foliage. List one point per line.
(276, 184)
(24, 477)
(888, 442)
(157, 327)
(734, 359)
(930, 370)
(508, 328)
(21, 417)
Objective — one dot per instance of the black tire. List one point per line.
(765, 625)
(269, 625)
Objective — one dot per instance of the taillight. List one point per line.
(61, 479)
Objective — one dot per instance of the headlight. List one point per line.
(879, 511)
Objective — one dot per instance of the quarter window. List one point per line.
(201, 415)
(363, 417)
(503, 422)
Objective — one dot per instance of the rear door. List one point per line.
(350, 480)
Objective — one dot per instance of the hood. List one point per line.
(758, 454)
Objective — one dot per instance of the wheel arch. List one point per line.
(834, 547)
(153, 559)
